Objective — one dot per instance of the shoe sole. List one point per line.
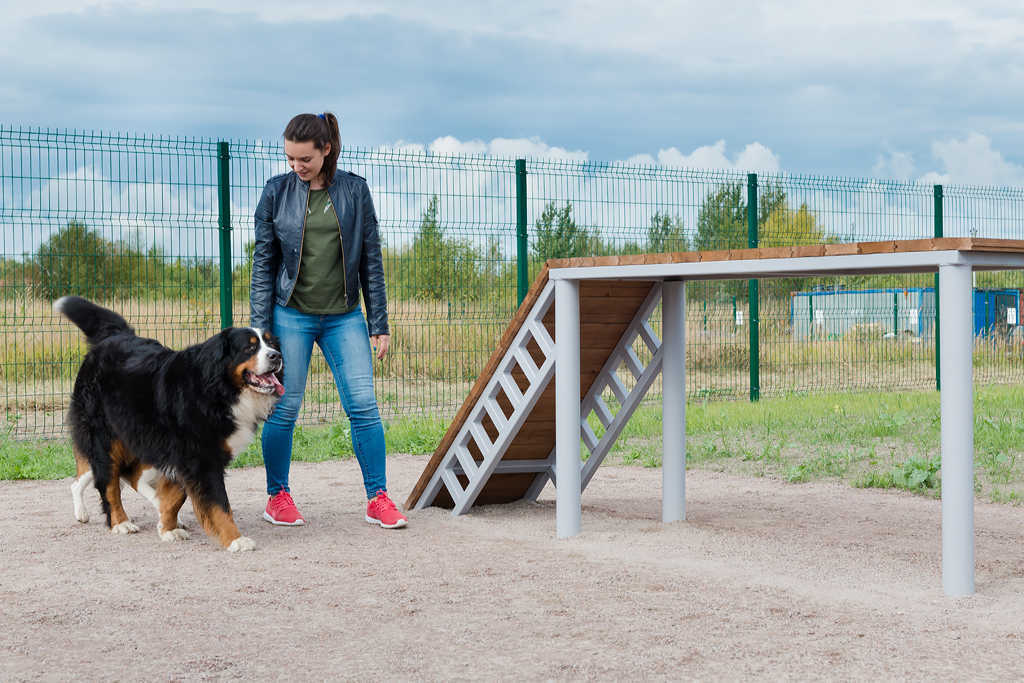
(298, 522)
(397, 525)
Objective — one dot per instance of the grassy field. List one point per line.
(437, 351)
(887, 440)
(884, 440)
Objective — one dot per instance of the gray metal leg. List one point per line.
(567, 408)
(957, 410)
(673, 377)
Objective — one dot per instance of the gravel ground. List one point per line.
(764, 580)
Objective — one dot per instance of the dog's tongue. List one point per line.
(271, 378)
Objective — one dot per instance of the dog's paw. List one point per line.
(177, 534)
(126, 527)
(241, 543)
(81, 514)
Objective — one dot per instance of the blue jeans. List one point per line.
(345, 343)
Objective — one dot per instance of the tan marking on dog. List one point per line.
(238, 374)
(217, 522)
(171, 497)
(122, 463)
(81, 464)
(117, 513)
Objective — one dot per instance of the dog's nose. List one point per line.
(273, 355)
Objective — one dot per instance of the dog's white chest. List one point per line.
(249, 412)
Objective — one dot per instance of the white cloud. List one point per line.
(641, 160)
(754, 157)
(533, 148)
(972, 161)
(123, 207)
(405, 146)
(757, 157)
(894, 165)
(451, 145)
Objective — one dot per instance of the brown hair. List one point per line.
(320, 129)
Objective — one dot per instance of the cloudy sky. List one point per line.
(905, 89)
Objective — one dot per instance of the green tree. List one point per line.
(436, 268)
(429, 280)
(241, 275)
(788, 227)
(75, 260)
(722, 219)
(558, 235)
(666, 234)
(785, 227)
(628, 247)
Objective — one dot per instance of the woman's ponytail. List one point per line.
(331, 160)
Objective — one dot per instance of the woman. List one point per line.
(317, 246)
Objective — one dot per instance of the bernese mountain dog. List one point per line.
(166, 422)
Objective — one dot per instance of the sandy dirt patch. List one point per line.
(764, 579)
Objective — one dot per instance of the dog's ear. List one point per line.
(225, 342)
(215, 350)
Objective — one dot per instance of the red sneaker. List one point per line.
(380, 510)
(281, 510)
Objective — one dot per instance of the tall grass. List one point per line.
(438, 349)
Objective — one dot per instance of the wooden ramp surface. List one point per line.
(607, 307)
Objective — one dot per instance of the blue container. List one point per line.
(832, 314)
(996, 311)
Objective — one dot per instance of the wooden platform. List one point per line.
(607, 308)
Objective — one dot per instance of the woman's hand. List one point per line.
(380, 344)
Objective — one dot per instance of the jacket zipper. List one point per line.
(341, 245)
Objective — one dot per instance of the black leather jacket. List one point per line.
(280, 222)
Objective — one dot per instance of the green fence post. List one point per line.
(755, 351)
(810, 317)
(937, 190)
(224, 226)
(522, 266)
(895, 314)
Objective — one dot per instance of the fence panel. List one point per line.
(132, 221)
(127, 220)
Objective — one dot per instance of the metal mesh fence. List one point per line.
(136, 222)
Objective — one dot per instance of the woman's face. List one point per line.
(305, 159)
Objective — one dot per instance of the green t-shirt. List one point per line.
(320, 287)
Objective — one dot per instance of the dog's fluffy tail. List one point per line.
(96, 322)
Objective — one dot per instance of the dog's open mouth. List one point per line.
(264, 384)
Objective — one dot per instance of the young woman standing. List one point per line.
(317, 247)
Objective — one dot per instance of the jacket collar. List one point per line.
(305, 184)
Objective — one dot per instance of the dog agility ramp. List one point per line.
(500, 446)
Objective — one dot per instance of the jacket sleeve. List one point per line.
(371, 268)
(265, 258)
